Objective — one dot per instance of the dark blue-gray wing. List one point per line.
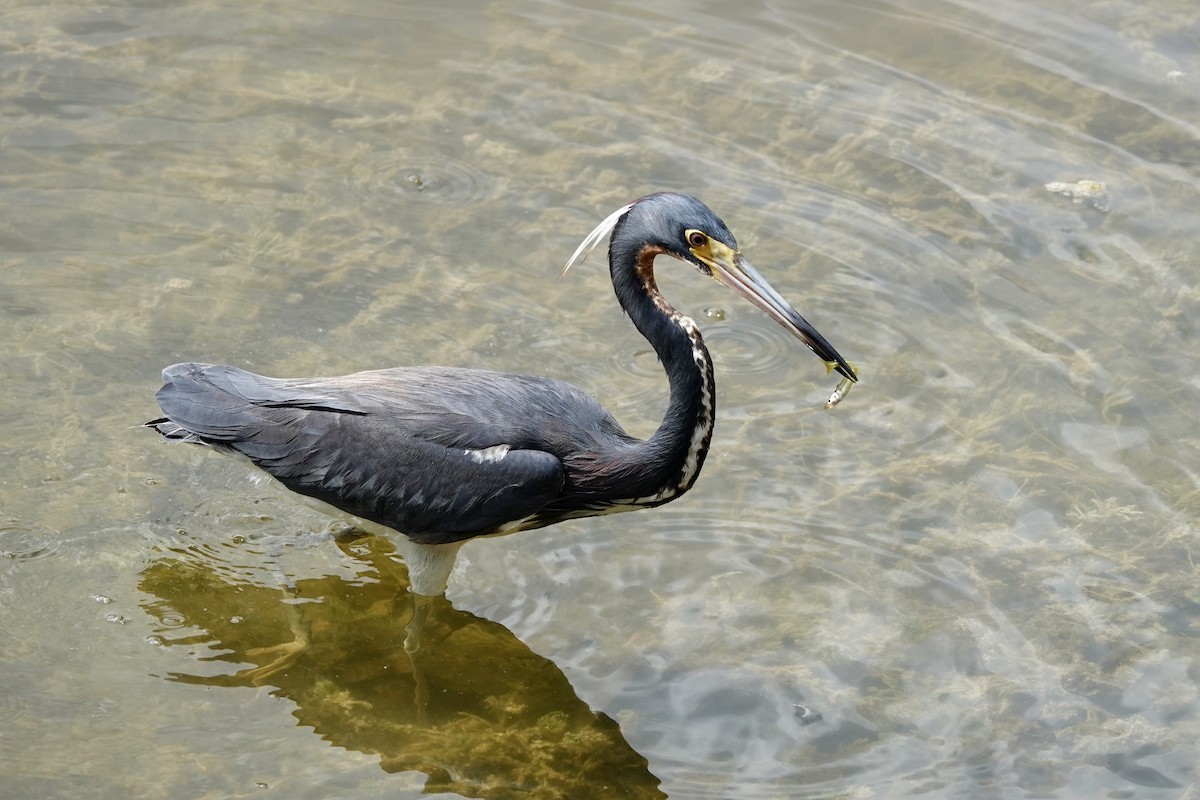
(335, 441)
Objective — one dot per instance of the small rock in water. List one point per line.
(806, 715)
(1092, 193)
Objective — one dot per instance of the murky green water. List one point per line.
(977, 576)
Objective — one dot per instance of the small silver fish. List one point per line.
(839, 393)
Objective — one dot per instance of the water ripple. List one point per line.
(14, 701)
(27, 544)
(428, 177)
(736, 350)
(749, 349)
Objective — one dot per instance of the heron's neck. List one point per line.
(681, 442)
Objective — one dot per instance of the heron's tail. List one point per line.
(172, 431)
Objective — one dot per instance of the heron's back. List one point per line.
(438, 453)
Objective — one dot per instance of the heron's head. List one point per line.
(683, 227)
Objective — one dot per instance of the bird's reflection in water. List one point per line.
(472, 708)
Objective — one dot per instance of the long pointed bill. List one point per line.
(735, 272)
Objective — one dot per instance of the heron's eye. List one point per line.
(696, 238)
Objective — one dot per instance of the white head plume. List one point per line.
(594, 238)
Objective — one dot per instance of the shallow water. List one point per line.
(975, 578)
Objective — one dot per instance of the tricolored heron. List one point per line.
(442, 455)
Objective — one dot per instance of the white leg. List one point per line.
(429, 565)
